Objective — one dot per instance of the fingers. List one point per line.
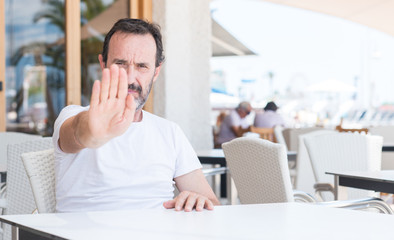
(113, 90)
(105, 81)
(95, 98)
(208, 205)
(130, 108)
(122, 92)
(169, 204)
(113, 83)
(180, 200)
(189, 200)
(200, 204)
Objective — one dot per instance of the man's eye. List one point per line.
(120, 63)
(142, 66)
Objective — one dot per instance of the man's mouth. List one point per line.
(134, 88)
(131, 91)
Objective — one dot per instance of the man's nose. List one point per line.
(131, 74)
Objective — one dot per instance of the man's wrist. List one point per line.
(77, 141)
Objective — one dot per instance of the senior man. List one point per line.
(112, 155)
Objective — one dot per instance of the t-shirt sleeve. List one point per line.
(235, 120)
(65, 114)
(186, 159)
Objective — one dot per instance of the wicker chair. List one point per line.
(305, 176)
(261, 175)
(19, 199)
(40, 168)
(11, 138)
(260, 170)
(344, 152)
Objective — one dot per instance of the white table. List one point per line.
(388, 147)
(263, 221)
(378, 181)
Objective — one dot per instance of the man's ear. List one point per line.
(157, 71)
(102, 63)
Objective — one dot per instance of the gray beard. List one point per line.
(141, 100)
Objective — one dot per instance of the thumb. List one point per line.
(169, 204)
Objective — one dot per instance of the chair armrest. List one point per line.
(214, 171)
(300, 196)
(363, 203)
(324, 187)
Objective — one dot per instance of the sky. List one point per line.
(301, 48)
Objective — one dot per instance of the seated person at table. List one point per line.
(112, 155)
(233, 123)
(269, 118)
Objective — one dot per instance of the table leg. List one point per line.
(223, 185)
(232, 193)
(14, 233)
(228, 189)
(336, 183)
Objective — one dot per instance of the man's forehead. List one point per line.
(123, 35)
(137, 42)
(137, 47)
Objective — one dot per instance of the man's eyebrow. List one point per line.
(143, 63)
(117, 60)
(123, 61)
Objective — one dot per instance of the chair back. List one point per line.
(291, 136)
(265, 133)
(10, 138)
(259, 169)
(305, 176)
(278, 133)
(344, 152)
(387, 132)
(40, 169)
(339, 128)
(19, 197)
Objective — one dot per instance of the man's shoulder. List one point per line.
(234, 115)
(154, 119)
(74, 109)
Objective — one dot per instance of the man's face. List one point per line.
(137, 55)
(243, 113)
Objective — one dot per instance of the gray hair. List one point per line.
(244, 106)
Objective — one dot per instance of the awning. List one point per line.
(225, 44)
(377, 14)
(102, 23)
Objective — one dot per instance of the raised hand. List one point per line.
(111, 108)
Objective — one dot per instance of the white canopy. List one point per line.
(376, 14)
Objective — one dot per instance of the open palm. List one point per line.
(111, 108)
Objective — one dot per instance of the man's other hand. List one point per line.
(188, 201)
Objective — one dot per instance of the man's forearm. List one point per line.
(236, 131)
(75, 134)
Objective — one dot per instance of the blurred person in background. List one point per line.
(233, 124)
(269, 118)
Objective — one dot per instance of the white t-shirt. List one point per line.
(233, 119)
(132, 171)
(268, 119)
